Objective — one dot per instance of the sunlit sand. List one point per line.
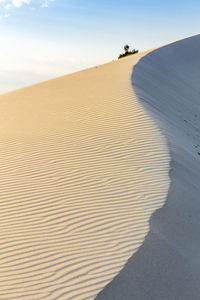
(83, 167)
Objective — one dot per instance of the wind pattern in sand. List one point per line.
(82, 169)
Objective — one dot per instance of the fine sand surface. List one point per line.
(167, 265)
(83, 167)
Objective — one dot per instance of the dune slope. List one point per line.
(82, 169)
(167, 265)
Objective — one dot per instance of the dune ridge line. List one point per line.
(82, 169)
(167, 265)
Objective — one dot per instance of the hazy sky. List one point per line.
(42, 39)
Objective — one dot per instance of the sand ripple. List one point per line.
(82, 169)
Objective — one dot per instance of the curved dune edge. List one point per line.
(82, 169)
(167, 265)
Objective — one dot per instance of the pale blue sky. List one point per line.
(44, 39)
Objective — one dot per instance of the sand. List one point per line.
(83, 167)
(167, 265)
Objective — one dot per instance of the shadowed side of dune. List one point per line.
(167, 265)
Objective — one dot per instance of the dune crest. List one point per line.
(167, 265)
(82, 169)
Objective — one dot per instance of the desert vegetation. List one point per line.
(127, 52)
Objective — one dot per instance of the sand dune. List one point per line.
(82, 169)
(167, 265)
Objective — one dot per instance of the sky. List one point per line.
(43, 39)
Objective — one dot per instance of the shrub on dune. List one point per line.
(127, 52)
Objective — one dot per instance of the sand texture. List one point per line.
(82, 169)
(167, 265)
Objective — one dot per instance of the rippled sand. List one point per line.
(82, 169)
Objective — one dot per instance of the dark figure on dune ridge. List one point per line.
(127, 52)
